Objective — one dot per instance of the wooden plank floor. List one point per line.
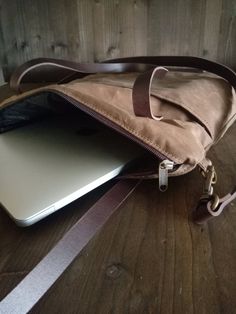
(149, 257)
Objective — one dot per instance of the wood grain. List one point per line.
(149, 257)
(94, 30)
(1, 78)
(212, 25)
(176, 27)
(227, 35)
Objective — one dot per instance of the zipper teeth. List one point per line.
(112, 125)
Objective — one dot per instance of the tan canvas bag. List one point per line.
(174, 107)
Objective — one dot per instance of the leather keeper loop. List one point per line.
(142, 92)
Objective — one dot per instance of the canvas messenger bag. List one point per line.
(176, 108)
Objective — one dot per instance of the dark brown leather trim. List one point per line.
(184, 61)
(131, 64)
(142, 90)
(62, 69)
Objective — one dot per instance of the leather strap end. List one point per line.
(204, 210)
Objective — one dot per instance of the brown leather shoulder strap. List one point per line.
(28, 292)
(56, 70)
(184, 61)
(61, 69)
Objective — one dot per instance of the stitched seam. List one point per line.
(179, 103)
(125, 127)
(164, 97)
(132, 131)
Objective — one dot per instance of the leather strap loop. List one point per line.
(142, 92)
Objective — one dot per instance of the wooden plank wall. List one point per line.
(94, 30)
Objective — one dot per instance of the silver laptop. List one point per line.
(48, 164)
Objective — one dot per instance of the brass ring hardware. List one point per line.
(210, 177)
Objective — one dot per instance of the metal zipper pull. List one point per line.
(164, 167)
